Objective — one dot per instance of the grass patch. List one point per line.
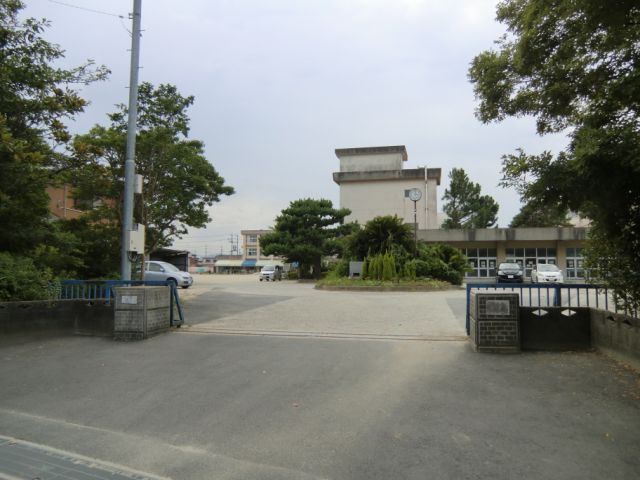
(355, 283)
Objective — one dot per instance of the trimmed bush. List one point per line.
(20, 279)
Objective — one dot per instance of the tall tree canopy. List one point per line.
(179, 182)
(35, 99)
(574, 67)
(465, 206)
(536, 214)
(306, 231)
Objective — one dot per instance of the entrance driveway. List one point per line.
(243, 304)
(190, 405)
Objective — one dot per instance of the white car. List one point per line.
(547, 273)
(163, 271)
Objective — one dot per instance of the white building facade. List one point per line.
(373, 182)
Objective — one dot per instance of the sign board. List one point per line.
(129, 299)
(498, 307)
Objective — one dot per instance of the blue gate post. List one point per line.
(468, 320)
(557, 296)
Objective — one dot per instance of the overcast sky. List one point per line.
(280, 84)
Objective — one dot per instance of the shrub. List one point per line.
(388, 267)
(409, 270)
(340, 268)
(20, 279)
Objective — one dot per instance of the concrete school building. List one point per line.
(373, 182)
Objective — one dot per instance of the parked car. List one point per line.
(271, 272)
(509, 272)
(163, 271)
(547, 273)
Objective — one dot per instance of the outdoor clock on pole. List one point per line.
(415, 194)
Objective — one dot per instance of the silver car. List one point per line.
(163, 271)
(546, 273)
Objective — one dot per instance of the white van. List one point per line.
(271, 272)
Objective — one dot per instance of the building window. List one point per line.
(575, 260)
(482, 262)
(530, 257)
(252, 251)
(252, 238)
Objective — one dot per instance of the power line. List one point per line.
(87, 9)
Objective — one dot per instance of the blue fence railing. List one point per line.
(103, 290)
(553, 295)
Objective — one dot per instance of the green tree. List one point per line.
(306, 231)
(381, 235)
(36, 97)
(536, 214)
(465, 206)
(179, 183)
(574, 66)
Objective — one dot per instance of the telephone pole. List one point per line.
(130, 164)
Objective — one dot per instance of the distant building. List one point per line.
(252, 257)
(62, 205)
(373, 182)
(228, 264)
(487, 247)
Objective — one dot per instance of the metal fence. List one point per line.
(103, 290)
(556, 295)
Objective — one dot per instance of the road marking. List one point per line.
(22, 459)
(338, 335)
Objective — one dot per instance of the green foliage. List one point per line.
(442, 262)
(179, 183)
(410, 270)
(97, 246)
(20, 279)
(464, 206)
(380, 235)
(574, 67)
(365, 268)
(306, 231)
(35, 99)
(535, 214)
(388, 267)
(422, 284)
(340, 268)
(374, 268)
(608, 264)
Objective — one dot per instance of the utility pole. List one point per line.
(130, 165)
(234, 240)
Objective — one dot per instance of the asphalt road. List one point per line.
(197, 404)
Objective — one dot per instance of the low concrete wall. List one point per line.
(617, 335)
(555, 328)
(61, 317)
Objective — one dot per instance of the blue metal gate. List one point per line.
(103, 290)
(556, 295)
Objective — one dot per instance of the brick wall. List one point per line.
(494, 322)
(141, 312)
